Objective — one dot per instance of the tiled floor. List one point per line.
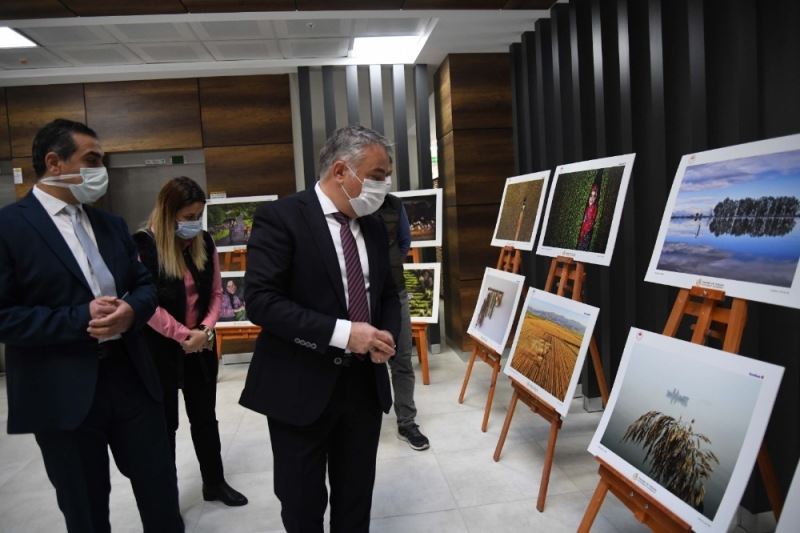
(455, 486)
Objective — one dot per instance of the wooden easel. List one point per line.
(510, 260)
(722, 323)
(419, 330)
(232, 261)
(571, 275)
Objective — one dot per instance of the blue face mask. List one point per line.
(189, 229)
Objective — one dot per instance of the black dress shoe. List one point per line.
(224, 493)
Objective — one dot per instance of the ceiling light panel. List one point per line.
(70, 35)
(234, 30)
(309, 48)
(171, 52)
(382, 27)
(28, 58)
(243, 50)
(152, 33)
(313, 29)
(98, 55)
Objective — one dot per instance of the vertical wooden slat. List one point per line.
(515, 51)
(329, 100)
(401, 173)
(351, 85)
(423, 121)
(527, 103)
(306, 127)
(376, 97)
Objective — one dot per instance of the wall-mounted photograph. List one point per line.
(422, 285)
(732, 223)
(520, 211)
(230, 220)
(553, 335)
(584, 209)
(685, 422)
(424, 210)
(496, 308)
(233, 312)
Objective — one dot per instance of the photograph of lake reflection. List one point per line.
(737, 219)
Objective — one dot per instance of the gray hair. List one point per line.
(347, 144)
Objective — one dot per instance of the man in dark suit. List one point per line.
(73, 297)
(318, 282)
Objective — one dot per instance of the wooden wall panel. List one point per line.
(251, 170)
(223, 6)
(98, 8)
(28, 175)
(145, 115)
(241, 110)
(5, 136)
(453, 4)
(23, 9)
(482, 160)
(480, 88)
(473, 228)
(444, 104)
(327, 5)
(30, 108)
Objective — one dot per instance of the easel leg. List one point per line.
(506, 424)
(467, 375)
(548, 464)
(594, 506)
(488, 409)
(770, 481)
(598, 370)
(422, 352)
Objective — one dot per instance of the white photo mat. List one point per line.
(494, 334)
(211, 202)
(596, 258)
(436, 268)
(668, 370)
(425, 193)
(526, 241)
(238, 277)
(727, 258)
(570, 310)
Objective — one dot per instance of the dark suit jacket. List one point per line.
(51, 361)
(294, 291)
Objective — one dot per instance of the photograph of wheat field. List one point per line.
(547, 349)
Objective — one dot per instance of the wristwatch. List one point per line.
(209, 332)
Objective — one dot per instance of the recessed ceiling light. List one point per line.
(12, 39)
(398, 49)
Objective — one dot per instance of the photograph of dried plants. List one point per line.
(422, 286)
(550, 346)
(520, 207)
(496, 307)
(682, 423)
(733, 219)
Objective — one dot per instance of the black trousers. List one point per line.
(125, 418)
(199, 384)
(345, 439)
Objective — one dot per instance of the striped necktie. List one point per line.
(357, 307)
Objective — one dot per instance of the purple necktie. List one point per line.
(357, 307)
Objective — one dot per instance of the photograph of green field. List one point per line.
(582, 209)
(547, 349)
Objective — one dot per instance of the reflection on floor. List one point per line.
(455, 486)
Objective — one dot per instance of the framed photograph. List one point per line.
(520, 211)
(230, 220)
(685, 422)
(233, 312)
(422, 285)
(424, 210)
(553, 335)
(732, 223)
(584, 208)
(496, 308)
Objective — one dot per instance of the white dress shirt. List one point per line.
(341, 333)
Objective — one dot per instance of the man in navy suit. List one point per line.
(73, 298)
(318, 282)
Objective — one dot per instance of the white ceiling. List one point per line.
(190, 45)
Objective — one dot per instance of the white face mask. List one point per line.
(373, 193)
(91, 189)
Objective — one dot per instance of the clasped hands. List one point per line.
(365, 338)
(110, 316)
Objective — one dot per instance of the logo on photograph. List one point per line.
(639, 335)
